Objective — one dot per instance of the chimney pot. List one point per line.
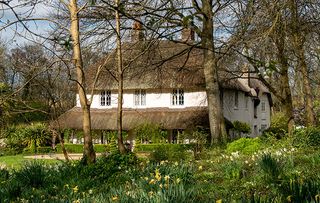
(137, 32)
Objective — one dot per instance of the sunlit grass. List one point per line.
(16, 161)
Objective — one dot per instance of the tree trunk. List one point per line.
(216, 120)
(298, 42)
(284, 89)
(64, 151)
(310, 120)
(89, 155)
(121, 147)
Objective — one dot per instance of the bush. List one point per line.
(78, 148)
(32, 174)
(241, 127)
(271, 167)
(107, 168)
(171, 152)
(278, 127)
(150, 132)
(31, 136)
(245, 145)
(4, 174)
(307, 137)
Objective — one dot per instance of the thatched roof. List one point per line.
(107, 118)
(159, 64)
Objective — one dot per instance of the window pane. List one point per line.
(181, 97)
(143, 97)
(137, 97)
(103, 98)
(174, 97)
(108, 98)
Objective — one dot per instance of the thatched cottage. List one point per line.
(164, 84)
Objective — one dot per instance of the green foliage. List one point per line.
(199, 139)
(32, 174)
(113, 146)
(27, 136)
(173, 152)
(307, 137)
(78, 148)
(271, 167)
(4, 174)
(241, 127)
(245, 145)
(150, 132)
(301, 190)
(109, 167)
(279, 125)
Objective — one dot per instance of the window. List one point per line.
(140, 97)
(177, 97)
(263, 127)
(263, 106)
(105, 98)
(236, 99)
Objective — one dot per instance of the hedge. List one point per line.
(152, 147)
(78, 148)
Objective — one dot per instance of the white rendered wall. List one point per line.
(154, 99)
(244, 114)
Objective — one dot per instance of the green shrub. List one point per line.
(150, 132)
(245, 145)
(152, 147)
(241, 127)
(271, 167)
(4, 174)
(278, 127)
(301, 190)
(32, 174)
(307, 137)
(171, 152)
(27, 136)
(78, 148)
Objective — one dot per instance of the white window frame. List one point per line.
(105, 98)
(177, 97)
(140, 97)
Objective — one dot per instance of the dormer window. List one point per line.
(177, 97)
(105, 98)
(140, 97)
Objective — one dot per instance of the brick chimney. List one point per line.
(137, 32)
(187, 35)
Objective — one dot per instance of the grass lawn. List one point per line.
(16, 161)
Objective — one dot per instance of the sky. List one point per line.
(15, 34)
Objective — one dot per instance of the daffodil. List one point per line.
(114, 198)
(178, 180)
(200, 167)
(152, 181)
(157, 175)
(75, 189)
(166, 178)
